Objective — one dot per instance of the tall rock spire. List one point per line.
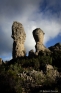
(19, 36)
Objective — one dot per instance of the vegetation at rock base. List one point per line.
(29, 74)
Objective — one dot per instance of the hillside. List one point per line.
(33, 74)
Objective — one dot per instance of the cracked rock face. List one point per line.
(19, 36)
(38, 35)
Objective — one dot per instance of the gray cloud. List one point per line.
(45, 14)
(5, 43)
(12, 8)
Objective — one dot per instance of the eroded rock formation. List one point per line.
(38, 35)
(19, 36)
(31, 53)
(56, 47)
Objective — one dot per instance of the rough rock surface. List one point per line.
(19, 36)
(56, 47)
(0, 61)
(36, 79)
(31, 53)
(38, 35)
(47, 52)
(51, 72)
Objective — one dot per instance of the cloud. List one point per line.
(45, 14)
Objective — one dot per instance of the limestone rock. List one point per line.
(56, 47)
(51, 72)
(38, 35)
(0, 61)
(49, 67)
(31, 53)
(46, 52)
(19, 36)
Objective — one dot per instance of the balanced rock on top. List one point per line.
(38, 35)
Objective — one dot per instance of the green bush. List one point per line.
(44, 60)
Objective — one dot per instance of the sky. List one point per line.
(44, 14)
